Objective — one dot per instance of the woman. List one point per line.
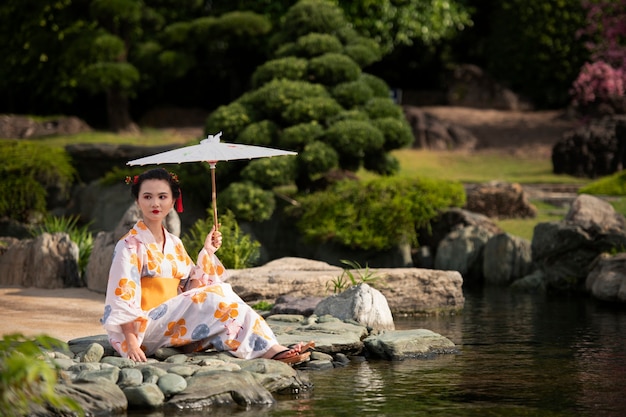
(156, 296)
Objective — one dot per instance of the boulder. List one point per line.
(607, 279)
(506, 258)
(46, 261)
(23, 127)
(404, 344)
(462, 251)
(565, 250)
(408, 290)
(470, 86)
(450, 220)
(361, 303)
(500, 200)
(431, 132)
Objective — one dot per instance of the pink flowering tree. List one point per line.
(600, 86)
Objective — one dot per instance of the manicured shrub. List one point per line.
(353, 114)
(27, 170)
(272, 98)
(270, 172)
(262, 133)
(230, 119)
(381, 163)
(290, 68)
(296, 137)
(332, 69)
(397, 132)
(365, 52)
(379, 87)
(353, 93)
(353, 138)
(316, 44)
(317, 158)
(310, 16)
(310, 109)
(377, 214)
(612, 185)
(380, 107)
(248, 201)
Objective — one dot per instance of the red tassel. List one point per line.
(179, 203)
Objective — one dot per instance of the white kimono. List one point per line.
(147, 286)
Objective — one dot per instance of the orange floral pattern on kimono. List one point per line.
(211, 315)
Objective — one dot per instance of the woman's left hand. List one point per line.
(213, 241)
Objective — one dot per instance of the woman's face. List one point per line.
(155, 199)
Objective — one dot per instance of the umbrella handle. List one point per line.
(214, 195)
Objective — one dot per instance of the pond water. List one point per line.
(520, 355)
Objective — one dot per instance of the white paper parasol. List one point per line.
(210, 150)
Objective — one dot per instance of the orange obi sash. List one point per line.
(156, 291)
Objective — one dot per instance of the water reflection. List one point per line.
(520, 355)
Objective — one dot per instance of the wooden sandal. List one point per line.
(293, 359)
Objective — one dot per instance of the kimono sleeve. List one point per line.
(123, 296)
(209, 270)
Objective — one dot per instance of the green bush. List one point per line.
(248, 201)
(310, 16)
(290, 68)
(380, 107)
(27, 170)
(381, 163)
(331, 69)
(397, 132)
(230, 119)
(28, 380)
(377, 214)
(310, 110)
(296, 137)
(238, 249)
(272, 98)
(612, 185)
(318, 158)
(270, 172)
(352, 94)
(378, 85)
(354, 138)
(364, 53)
(353, 114)
(316, 44)
(261, 133)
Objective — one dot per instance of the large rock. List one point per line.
(506, 258)
(403, 344)
(431, 132)
(360, 303)
(470, 86)
(564, 251)
(607, 279)
(23, 127)
(500, 200)
(451, 220)
(47, 261)
(408, 290)
(462, 251)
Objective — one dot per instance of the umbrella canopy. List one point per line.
(210, 150)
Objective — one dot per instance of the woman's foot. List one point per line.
(292, 355)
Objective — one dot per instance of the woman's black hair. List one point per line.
(155, 174)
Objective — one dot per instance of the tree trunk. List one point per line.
(119, 113)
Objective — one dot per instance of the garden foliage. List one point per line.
(312, 97)
(376, 214)
(601, 84)
(28, 170)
